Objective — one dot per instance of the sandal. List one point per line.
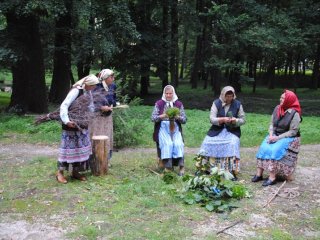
(79, 176)
(60, 178)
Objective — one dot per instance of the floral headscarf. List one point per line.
(88, 80)
(174, 97)
(290, 101)
(223, 94)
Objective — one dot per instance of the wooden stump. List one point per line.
(99, 162)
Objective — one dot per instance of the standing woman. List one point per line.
(75, 147)
(170, 146)
(222, 143)
(278, 152)
(103, 124)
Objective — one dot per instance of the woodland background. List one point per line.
(206, 44)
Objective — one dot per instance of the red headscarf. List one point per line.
(290, 101)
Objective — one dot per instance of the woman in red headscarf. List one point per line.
(278, 153)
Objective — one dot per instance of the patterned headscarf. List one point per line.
(290, 101)
(223, 94)
(174, 96)
(105, 73)
(88, 80)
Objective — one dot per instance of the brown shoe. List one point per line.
(60, 178)
(79, 176)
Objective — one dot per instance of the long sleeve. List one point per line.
(294, 127)
(72, 95)
(183, 117)
(241, 120)
(155, 114)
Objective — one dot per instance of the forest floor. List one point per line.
(298, 216)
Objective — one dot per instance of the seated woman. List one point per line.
(279, 151)
(222, 143)
(170, 146)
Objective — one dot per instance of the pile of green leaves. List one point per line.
(172, 112)
(212, 188)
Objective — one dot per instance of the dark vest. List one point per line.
(282, 124)
(64, 126)
(234, 108)
(160, 104)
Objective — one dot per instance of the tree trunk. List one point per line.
(61, 78)
(198, 53)
(184, 56)
(144, 72)
(163, 65)
(270, 75)
(28, 87)
(215, 80)
(174, 49)
(98, 162)
(316, 70)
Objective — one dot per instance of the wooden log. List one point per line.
(99, 162)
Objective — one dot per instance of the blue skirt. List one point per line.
(274, 151)
(170, 144)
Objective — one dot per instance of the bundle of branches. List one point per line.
(79, 111)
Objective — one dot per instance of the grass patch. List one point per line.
(21, 129)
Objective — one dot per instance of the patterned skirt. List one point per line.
(75, 150)
(286, 165)
(222, 150)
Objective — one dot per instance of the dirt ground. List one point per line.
(281, 212)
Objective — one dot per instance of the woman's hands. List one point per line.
(227, 120)
(106, 108)
(163, 116)
(272, 139)
(71, 124)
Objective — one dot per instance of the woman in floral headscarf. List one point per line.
(278, 152)
(103, 124)
(170, 146)
(222, 143)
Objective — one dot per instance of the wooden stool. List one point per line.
(98, 162)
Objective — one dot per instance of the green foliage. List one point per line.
(170, 177)
(212, 188)
(172, 112)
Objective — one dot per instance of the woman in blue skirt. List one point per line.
(278, 152)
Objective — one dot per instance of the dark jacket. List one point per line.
(234, 108)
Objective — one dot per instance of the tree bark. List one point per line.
(61, 77)
(28, 87)
(174, 49)
(163, 65)
(316, 70)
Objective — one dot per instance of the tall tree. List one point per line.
(61, 77)
(28, 88)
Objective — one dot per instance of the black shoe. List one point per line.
(268, 182)
(256, 178)
(234, 179)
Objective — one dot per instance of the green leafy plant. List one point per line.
(212, 188)
(172, 112)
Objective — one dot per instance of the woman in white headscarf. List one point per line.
(170, 146)
(222, 143)
(103, 124)
(75, 147)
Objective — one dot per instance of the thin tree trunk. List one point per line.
(184, 56)
(316, 70)
(174, 49)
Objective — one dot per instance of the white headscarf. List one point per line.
(104, 74)
(174, 96)
(88, 80)
(223, 94)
